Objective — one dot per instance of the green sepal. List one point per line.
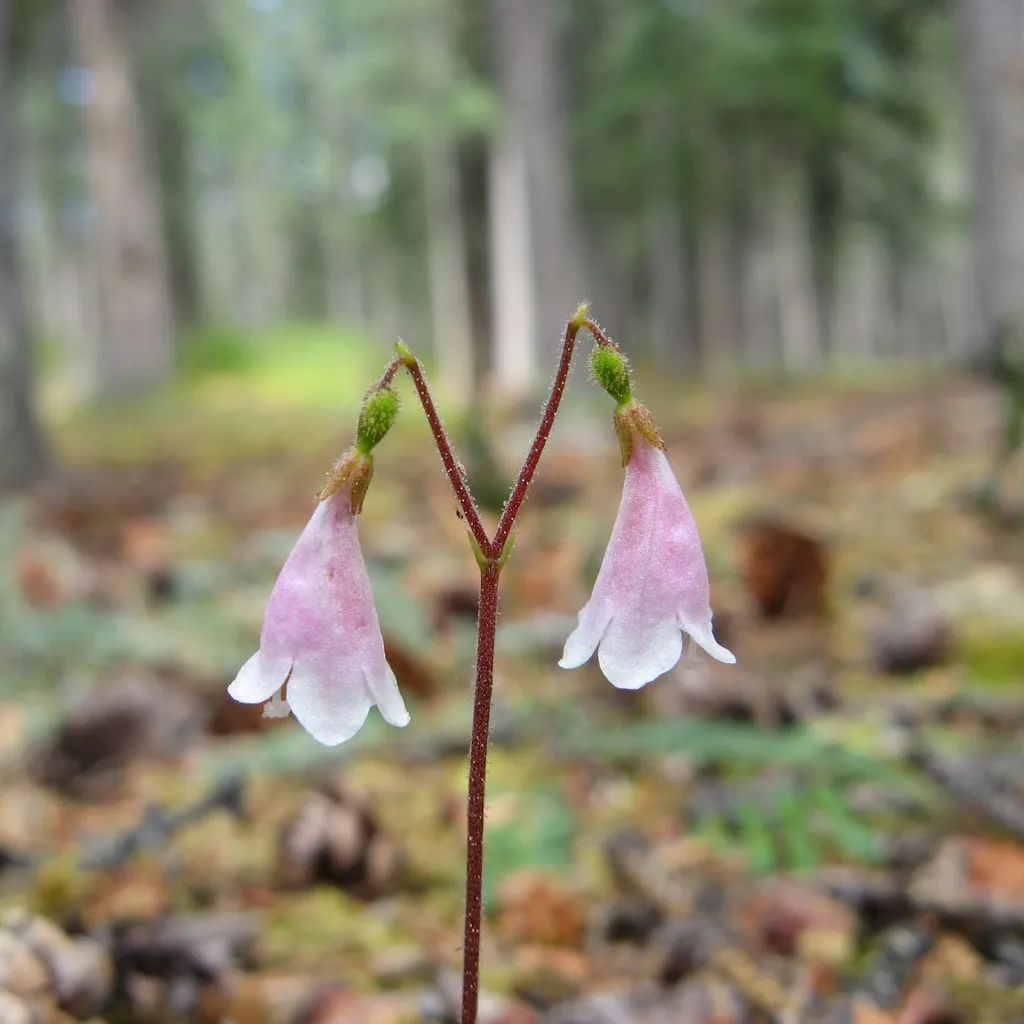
(624, 432)
(354, 468)
(361, 484)
(632, 418)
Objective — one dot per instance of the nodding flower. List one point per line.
(321, 651)
(652, 590)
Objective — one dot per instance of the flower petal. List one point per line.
(583, 640)
(388, 698)
(259, 679)
(632, 653)
(703, 637)
(331, 711)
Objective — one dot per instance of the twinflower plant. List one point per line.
(321, 654)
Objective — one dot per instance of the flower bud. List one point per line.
(611, 371)
(375, 419)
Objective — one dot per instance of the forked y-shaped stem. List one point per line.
(452, 466)
(491, 551)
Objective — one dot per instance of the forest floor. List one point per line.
(832, 830)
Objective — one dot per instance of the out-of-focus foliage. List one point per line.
(703, 96)
(288, 142)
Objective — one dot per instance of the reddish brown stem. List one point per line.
(522, 484)
(388, 375)
(599, 336)
(490, 552)
(452, 466)
(486, 626)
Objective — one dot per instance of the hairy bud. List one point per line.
(611, 371)
(375, 419)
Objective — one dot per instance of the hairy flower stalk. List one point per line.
(321, 651)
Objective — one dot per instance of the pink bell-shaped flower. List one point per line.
(653, 584)
(321, 641)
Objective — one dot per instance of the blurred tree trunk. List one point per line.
(992, 42)
(21, 447)
(715, 266)
(446, 262)
(859, 308)
(514, 299)
(666, 249)
(797, 297)
(759, 321)
(475, 159)
(384, 297)
(533, 156)
(136, 348)
(451, 315)
(346, 299)
(715, 273)
(177, 205)
(342, 231)
(758, 298)
(670, 325)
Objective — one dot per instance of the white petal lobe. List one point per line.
(583, 640)
(330, 711)
(631, 657)
(258, 679)
(705, 639)
(388, 698)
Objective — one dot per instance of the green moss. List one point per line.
(244, 396)
(322, 925)
(994, 658)
(216, 350)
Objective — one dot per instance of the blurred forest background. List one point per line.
(802, 219)
(748, 185)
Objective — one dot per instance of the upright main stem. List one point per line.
(487, 625)
(490, 553)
